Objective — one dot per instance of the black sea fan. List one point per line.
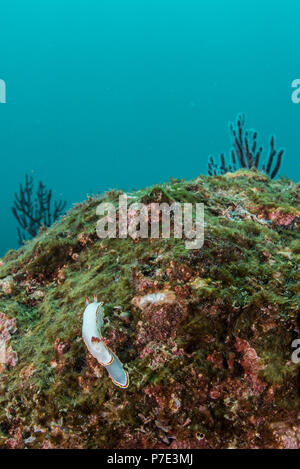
(246, 153)
(35, 210)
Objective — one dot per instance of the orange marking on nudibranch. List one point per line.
(120, 385)
(95, 339)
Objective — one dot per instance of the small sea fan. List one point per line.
(246, 153)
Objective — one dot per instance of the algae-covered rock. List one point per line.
(205, 335)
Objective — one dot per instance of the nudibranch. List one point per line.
(92, 336)
(159, 298)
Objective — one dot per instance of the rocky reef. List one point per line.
(205, 335)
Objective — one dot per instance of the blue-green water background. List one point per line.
(115, 93)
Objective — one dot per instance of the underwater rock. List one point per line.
(206, 335)
(7, 355)
(7, 284)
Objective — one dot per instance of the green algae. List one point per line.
(243, 283)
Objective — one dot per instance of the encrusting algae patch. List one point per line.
(205, 335)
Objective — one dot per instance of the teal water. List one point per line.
(115, 93)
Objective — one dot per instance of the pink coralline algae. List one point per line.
(16, 441)
(286, 434)
(6, 284)
(60, 348)
(250, 363)
(278, 217)
(159, 324)
(7, 355)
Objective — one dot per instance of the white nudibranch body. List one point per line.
(91, 334)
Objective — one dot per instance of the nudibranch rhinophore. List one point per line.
(91, 334)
